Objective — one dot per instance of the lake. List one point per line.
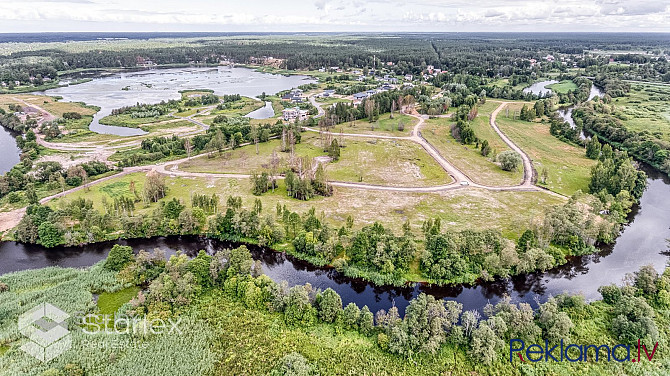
(155, 85)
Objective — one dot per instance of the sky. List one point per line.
(18, 16)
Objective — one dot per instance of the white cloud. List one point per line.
(335, 15)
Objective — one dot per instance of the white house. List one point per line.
(294, 113)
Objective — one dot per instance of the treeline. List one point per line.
(22, 181)
(143, 110)
(628, 313)
(227, 132)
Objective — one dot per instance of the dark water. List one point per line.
(641, 242)
(9, 152)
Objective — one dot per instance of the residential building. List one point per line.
(295, 113)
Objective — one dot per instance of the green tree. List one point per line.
(119, 256)
(329, 305)
(49, 235)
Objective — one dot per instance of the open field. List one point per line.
(382, 126)
(511, 212)
(646, 108)
(563, 86)
(386, 162)
(126, 120)
(468, 158)
(567, 166)
(48, 103)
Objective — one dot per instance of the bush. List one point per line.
(119, 256)
(293, 364)
(509, 160)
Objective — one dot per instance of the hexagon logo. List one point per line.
(45, 327)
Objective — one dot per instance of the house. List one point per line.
(361, 95)
(550, 58)
(408, 77)
(295, 113)
(294, 96)
(4, 84)
(360, 78)
(17, 83)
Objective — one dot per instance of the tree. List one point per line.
(593, 148)
(293, 364)
(329, 305)
(509, 160)
(31, 195)
(334, 150)
(351, 315)
(426, 324)
(188, 147)
(485, 149)
(119, 256)
(49, 235)
(200, 268)
(254, 135)
(366, 320)
(154, 187)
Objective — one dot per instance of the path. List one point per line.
(527, 164)
(9, 220)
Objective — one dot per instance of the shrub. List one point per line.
(119, 256)
(509, 160)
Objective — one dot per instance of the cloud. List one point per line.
(632, 8)
(340, 15)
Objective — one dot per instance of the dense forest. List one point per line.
(475, 54)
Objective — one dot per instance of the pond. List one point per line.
(539, 88)
(642, 242)
(153, 86)
(264, 112)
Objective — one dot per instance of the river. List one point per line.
(155, 85)
(642, 242)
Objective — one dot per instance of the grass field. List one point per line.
(383, 126)
(50, 104)
(466, 157)
(511, 212)
(386, 162)
(646, 108)
(568, 168)
(563, 87)
(110, 302)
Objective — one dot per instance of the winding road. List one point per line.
(10, 219)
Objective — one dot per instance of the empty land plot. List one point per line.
(567, 167)
(383, 162)
(468, 158)
(511, 212)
